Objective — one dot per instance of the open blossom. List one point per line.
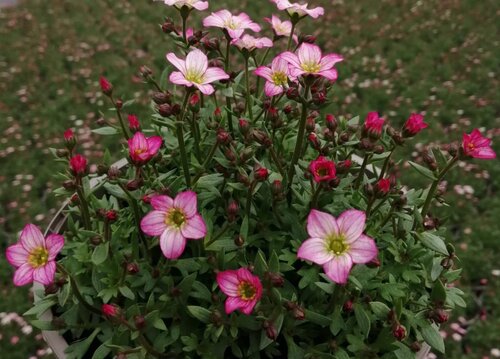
(194, 71)
(477, 146)
(142, 149)
(251, 43)
(235, 25)
(414, 125)
(174, 221)
(299, 9)
(308, 60)
(280, 28)
(276, 76)
(322, 169)
(34, 256)
(242, 288)
(373, 125)
(337, 244)
(197, 4)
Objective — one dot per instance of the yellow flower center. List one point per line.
(311, 67)
(471, 146)
(337, 245)
(139, 151)
(231, 24)
(194, 77)
(38, 257)
(176, 218)
(279, 78)
(246, 291)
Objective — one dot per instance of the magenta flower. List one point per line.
(414, 125)
(142, 149)
(78, 165)
(337, 244)
(322, 169)
(174, 221)
(34, 256)
(477, 146)
(194, 71)
(374, 125)
(251, 43)
(276, 76)
(280, 28)
(235, 25)
(309, 60)
(300, 10)
(243, 289)
(196, 4)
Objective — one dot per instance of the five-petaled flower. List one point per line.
(235, 25)
(322, 169)
(276, 76)
(142, 149)
(280, 28)
(242, 288)
(174, 221)
(196, 4)
(308, 60)
(374, 125)
(476, 146)
(414, 125)
(300, 9)
(337, 244)
(194, 71)
(250, 43)
(34, 256)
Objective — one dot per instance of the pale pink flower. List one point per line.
(477, 146)
(34, 256)
(194, 71)
(174, 221)
(196, 4)
(300, 9)
(337, 244)
(242, 288)
(280, 28)
(235, 25)
(308, 60)
(251, 43)
(142, 149)
(276, 76)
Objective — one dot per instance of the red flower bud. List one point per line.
(373, 125)
(383, 187)
(310, 124)
(414, 125)
(111, 215)
(399, 332)
(106, 86)
(232, 211)
(314, 141)
(132, 268)
(223, 137)
(69, 135)
(244, 126)
(217, 113)
(440, 316)
(78, 165)
(344, 166)
(261, 174)
(331, 122)
(111, 311)
(194, 102)
(348, 305)
(133, 123)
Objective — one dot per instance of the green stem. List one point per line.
(184, 29)
(84, 208)
(276, 160)
(228, 99)
(290, 39)
(315, 196)
(196, 135)
(361, 173)
(120, 118)
(207, 161)
(371, 201)
(218, 235)
(249, 96)
(180, 138)
(77, 292)
(386, 163)
(248, 206)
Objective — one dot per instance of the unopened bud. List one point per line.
(161, 98)
(261, 174)
(139, 322)
(261, 137)
(348, 305)
(399, 332)
(132, 268)
(232, 211)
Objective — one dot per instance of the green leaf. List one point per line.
(317, 318)
(105, 131)
(79, 349)
(200, 313)
(294, 351)
(380, 309)
(41, 306)
(103, 350)
(438, 293)
(433, 242)
(431, 335)
(127, 292)
(363, 319)
(100, 253)
(337, 323)
(423, 170)
(341, 354)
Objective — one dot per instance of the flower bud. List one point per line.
(244, 126)
(262, 138)
(239, 241)
(114, 173)
(69, 139)
(223, 137)
(348, 305)
(275, 278)
(331, 122)
(176, 109)
(415, 347)
(414, 125)
(298, 313)
(288, 109)
(161, 98)
(232, 210)
(106, 86)
(344, 137)
(230, 155)
(96, 240)
(319, 98)
(246, 154)
(310, 124)
(365, 144)
(210, 44)
(139, 322)
(374, 263)
(194, 102)
(273, 114)
(373, 126)
(343, 167)
(429, 160)
(168, 26)
(314, 141)
(292, 93)
(378, 149)
(62, 152)
(440, 316)
(119, 103)
(132, 268)
(217, 114)
(277, 188)
(111, 215)
(216, 318)
(145, 71)
(133, 123)
(261, 174)
(111, 311)
(242, 178)
(399, 332)
(134, 184)
(78, 165)
(382, 187)
(271, 331)
(69, 185)
(309, 39)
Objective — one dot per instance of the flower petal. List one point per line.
(271, 89)
(45, 274)
(228, 282)
(247, 308)
(338, 269)
(214, 20)
(328, 61)
(187, 202)
(265, 72)
(172, 243)
(279, 65)
(291, 58)
(201, 5)
(162, 203)
(314, 250)
(331, 75)
(54, 244)
(153, 224)
(363, 249)
(178, 63)
(196, 62)
(31, 237)
(195, 228)
(178, 78)
(321, 224)
(309, 53)
(214, 74)
(154, 144)
(16, 255)
(233, 303)
(484, 153)
(351, 224)
(23, 275)
(205, 89)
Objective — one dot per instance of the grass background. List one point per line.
(439, 57)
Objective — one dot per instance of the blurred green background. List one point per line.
(438, 57)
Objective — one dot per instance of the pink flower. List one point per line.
(373, 125)
(477, 146)
(197, 4)
(142, 149)
(414, 125)
(276, 76)
(322, 169)
(337, 244)
(300, 10)
(280, 28)
(194, 71)
(78, 165)
(235, 25)
(34, 256)
(243, 289)
(174, 221)
(309, 60)
(251, 43)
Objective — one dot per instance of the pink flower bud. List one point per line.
(399, 332)
(69, 135)
(261, 174)
(373, 125)
(414, 125)
(111, 311)
(106, 86)
(383, 187)
(133, 123)
(78, 165)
